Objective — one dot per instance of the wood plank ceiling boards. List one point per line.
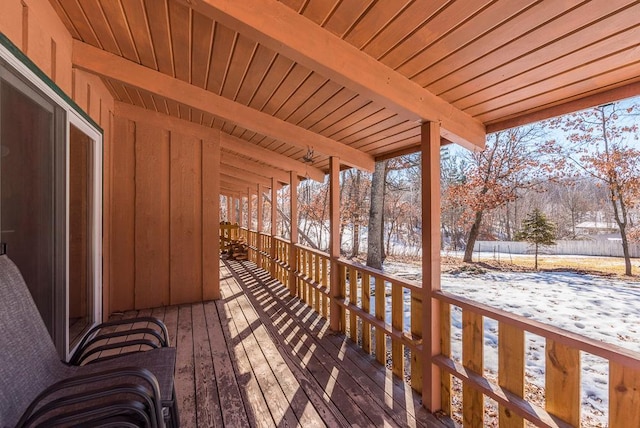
(355, 79)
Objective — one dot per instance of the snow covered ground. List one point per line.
(603, 309)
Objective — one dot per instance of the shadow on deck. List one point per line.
(259, 357)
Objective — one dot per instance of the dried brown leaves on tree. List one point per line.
(512, 161)
(601, 146)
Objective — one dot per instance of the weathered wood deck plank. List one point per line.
(261, 358)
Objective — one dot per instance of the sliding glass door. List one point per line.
(50, 204)
(30, 126)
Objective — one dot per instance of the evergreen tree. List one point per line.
(538, 231)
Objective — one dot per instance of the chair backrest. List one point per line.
(28, 359)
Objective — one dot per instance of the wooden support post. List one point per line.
(430, 147)
(293, 233)
(334, 243)
(240, 210)
(274, 224)
(259, 200)
(229, 209)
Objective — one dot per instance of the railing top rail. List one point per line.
(608, 351)
(312, 250)
(278, 238)
(406, 283)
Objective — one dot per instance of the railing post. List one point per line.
(259, 201)
(293, 233)
(274, 226)
(335, 313)
(249, 209)
(430, 147)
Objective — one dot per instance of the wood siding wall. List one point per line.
(34, 27)
(164, 215)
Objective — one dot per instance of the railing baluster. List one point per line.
(353, 299)
(310, 276)
(366, 300)
(316, 279)
(624, 396)
(472, 359)
(397, 317)
(562, 382)
(445, 349)
(342, 281)
(416, 332)
(510, 370)
(381, 346)
(325, 283)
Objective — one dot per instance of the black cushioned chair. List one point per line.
(37, 389)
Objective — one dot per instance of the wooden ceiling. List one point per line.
(357, 77)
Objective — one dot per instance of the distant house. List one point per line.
(598, 230)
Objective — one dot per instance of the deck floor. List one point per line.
(259, 357)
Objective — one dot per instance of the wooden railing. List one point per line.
(281, 262)
(563, 374)
(312, 273)
(391, 329)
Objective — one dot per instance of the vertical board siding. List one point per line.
(164, 228)
(186, 219)
(122, 264)
(151, 217)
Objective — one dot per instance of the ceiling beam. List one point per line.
(611, 95)
(231, 159)
(242, 184)
(105, 64)
(229, 172)
(227, 141)
(289, 33)
(245, 148)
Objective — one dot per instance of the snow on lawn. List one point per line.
(603, 309)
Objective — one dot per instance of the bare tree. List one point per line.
(600, 148)
(510, 163)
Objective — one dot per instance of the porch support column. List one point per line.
(334, 243)
(249, 220)
(228, 199)
(430, 147)
(249, 209)
(240, 200)
(274, 226)
(293, 235)
(259, 201)
(211, 218)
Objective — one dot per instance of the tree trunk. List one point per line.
(355, 246)
(535, 263)
(625, 251)
(473, 236)
(375, 246)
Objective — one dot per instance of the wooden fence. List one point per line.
(383, 315)
(576, 248)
